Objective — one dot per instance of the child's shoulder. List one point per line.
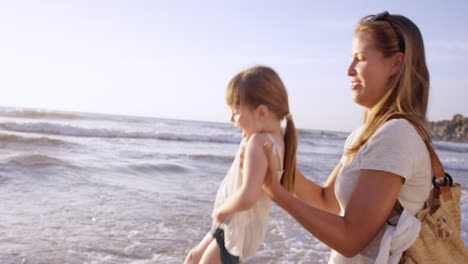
(258, 139)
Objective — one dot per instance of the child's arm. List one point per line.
(254, 170)
(195, 254)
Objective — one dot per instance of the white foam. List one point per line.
(455, 164)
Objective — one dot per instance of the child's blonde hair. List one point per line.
(261, 85)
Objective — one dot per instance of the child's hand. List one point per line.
(194, 256)
(221, 216)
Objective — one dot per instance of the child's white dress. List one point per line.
(244, 231)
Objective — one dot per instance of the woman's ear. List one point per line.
(397, 63)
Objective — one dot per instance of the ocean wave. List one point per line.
(217, 125)
(207, 158)
(322, 134)
(451, 146)
(317, 142)
(161, 167)
(68, 130)
(321, 154)
(37, 114)
(228, 139)
(308, 141)
(34, 141)
(455, 164)
(34, 160)
(212, 158)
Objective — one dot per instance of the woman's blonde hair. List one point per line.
(261, 85)
(408, 90)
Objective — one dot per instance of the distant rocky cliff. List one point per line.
(450, 130)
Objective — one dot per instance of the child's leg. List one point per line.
(194, 256)
(211, 254)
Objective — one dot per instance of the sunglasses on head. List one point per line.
(385, 16)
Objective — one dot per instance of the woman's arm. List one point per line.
(370, 205)
(254, 170)
(315, 195)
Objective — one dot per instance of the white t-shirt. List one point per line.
(395, 147)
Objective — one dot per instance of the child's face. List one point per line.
(245, 118)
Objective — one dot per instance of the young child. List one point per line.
(259, 102)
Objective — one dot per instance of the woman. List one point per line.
(385, 159)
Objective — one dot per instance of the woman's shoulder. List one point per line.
(399, 127)
(398, 130)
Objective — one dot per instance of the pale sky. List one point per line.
(173, 59)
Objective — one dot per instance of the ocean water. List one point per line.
(91, 188)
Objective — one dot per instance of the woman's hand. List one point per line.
(194, 256)
(271, 186)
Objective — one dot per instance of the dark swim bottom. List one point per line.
(226, 257)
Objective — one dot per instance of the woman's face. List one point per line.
(370, 71)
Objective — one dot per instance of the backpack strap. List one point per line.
(441, 180)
